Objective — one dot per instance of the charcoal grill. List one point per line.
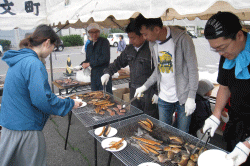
(86, 86)
(90, 118)
(132, 155)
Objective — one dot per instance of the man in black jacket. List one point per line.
(137, 55)
(97, 57)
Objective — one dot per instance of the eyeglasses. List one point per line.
(221, 50)
(94, 32)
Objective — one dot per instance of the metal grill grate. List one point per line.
(132, 155)
(90, 118)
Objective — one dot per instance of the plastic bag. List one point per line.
(86, 71)
(81, 77)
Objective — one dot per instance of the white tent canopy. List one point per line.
(27, 14)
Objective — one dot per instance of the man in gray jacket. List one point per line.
(176, 70)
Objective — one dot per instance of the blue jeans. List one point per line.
(166, 111)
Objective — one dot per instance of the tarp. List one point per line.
(27, 14)
(107, 12)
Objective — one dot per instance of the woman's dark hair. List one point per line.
(121, 36)
(41, 34)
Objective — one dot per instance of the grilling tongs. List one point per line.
(104, 90)
(206, 132)
(130, 101)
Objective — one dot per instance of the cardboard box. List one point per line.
(122, 93)
(126, 97)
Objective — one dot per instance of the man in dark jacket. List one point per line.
(97, 57)
(137, 56)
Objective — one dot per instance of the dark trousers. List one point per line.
(96, 85)
(145, 103)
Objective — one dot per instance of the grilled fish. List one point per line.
(184, 160)
(103, 129)
(163, 157)
(107, 130)
(191, 163)
(147, 141)
(143, 148)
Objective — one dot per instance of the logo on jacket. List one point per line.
(165, 62)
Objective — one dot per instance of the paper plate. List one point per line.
(149, 164)
(106, 143)
(112, 132)
(214, 157)
(83, 103)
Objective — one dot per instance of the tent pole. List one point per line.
(50, 59)
(51, 72)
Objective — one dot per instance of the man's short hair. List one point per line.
(132, 27)
(222, 24)
(149, 23)
(121, 36)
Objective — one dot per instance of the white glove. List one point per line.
(211, 122)
(190, 106)
(105, 79)
(77, 67)
(139, 91)
(239, 154)
(155, 99)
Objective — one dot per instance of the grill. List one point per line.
(90, 118)
(82, 86)
(132, 155)
(114, 82)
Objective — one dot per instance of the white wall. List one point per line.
(72, 31)
(185, 22)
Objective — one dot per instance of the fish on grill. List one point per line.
(163, 157)
(146, 124)
(151, 142)
(173, 150)
(112, 113)
(102, 104)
